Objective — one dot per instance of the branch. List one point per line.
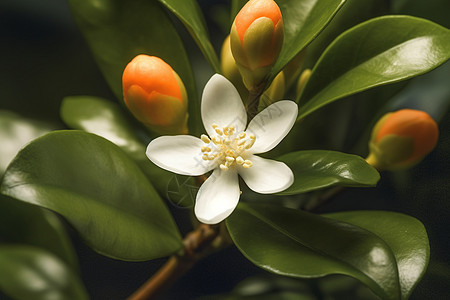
(197, 244)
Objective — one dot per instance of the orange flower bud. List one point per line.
(402, 139)
(256, 40)
(155, 95)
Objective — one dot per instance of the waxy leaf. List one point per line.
(99, 190)
(15, 132)
(117, 31)
(351, 14)
(298, 244)
(107, 119)
(316, 169)
(188, 11)
(379, 51)
(32, 273)
(21, 223)
(406, 237)
(303, 21)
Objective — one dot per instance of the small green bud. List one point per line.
(275, 92)
(230, 70)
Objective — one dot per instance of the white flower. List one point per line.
(229, 150)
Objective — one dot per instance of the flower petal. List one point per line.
(217, 197)
(271, 125)
(222, 105)
(180, 154)
(267, 176)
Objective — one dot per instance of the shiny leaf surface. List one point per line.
(303, 21)
(188, 11)
(316, 169)
(33, 273)
(380, 51)
(107, 119)
(15, 132)
(298, 244)
(25, 224)
(100, 191)
(405, 235)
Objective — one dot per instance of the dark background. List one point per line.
(43, 58)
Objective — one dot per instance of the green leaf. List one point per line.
(107, 119)
(316, 169)
(21, 223)
(377, 52)
(303, 21)
(294, 243)
(188, 11)
(117, 31)
(15, 132)
(351, 14)
(405, 235)
(99, 190)
(33, 273)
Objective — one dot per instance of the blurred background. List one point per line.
(44, 58)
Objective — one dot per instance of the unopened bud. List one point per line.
(155, 95)
(302, 81)
(230, 70)
(401, 139)
(275, 92)
(256, 40)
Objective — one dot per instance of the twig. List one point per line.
(253, 101)
(197, 244)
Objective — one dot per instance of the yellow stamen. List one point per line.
(247, 164)
(229, 147)
(205, 139)
(239, 160)
(249, 144)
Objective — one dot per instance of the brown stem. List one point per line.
(197, 244)
(253, 101)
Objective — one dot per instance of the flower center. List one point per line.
(227, 146)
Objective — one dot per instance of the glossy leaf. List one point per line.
(298, 244)
(405, 235)
(15, 132)
(303, 21)
(377, 52)
(99, 190)
(316, 169)
(21, 223)
(188, 11)
(107, 119)
(33, 273)
(117, 31)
